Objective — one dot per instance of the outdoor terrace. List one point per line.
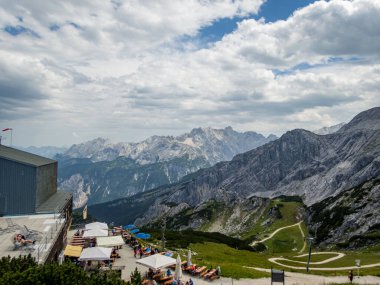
(44, 229)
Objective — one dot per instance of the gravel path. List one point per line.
(275, 232)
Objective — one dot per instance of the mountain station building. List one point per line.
(31, 205)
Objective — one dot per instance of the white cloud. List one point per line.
(321, 30)
(120, 70)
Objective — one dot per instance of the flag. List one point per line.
(7, 129)
(84, 214)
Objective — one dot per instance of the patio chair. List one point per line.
(11, 224)
(28, 233)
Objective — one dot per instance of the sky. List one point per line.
(72, 71)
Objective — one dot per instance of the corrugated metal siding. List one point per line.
(17, 188)
(46, 182)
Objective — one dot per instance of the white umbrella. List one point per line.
(96, 225)
(95, 233)
(189, 258)
(96, 253)
(109, 241)
(178, 269)
(157, 261)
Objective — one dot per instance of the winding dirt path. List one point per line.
(275, 232)
(293, 278)
(338, 255)
(303, 236)
(277, 260)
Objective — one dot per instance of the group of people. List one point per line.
(179, 282)
(138, 249)
(154, 275)
(114, 254)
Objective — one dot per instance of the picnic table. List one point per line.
(187, 268)
(170, 281)
(174, 265)
(199, 270)
(166, 278)
(209, 274)
(158, 275)
(77, 241)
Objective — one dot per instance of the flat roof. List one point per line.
(55, 203)
(23, 156)
(46, 229)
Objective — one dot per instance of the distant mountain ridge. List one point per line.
(299, 163)
(98, 170)
(329, 130)
(213, 144)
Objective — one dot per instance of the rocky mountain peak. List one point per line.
(367, 120)
(329, 130)
(115, 170)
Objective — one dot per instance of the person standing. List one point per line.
(351, 276)
(135, 251)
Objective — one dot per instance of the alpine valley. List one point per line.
(330, 180)
(99, 171)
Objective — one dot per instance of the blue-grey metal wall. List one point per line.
(46, 182)
(17, 188)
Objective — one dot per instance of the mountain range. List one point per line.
(302, 163)
(98, 170)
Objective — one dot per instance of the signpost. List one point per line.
(310, 239)
(277, 276)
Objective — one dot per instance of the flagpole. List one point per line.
(11, 136)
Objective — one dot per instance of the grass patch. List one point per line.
(182, 239)
(315, 257)
(287, 240)
(231, 261)
(288, 210)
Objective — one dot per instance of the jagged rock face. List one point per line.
(114, 171)
(103, 181)
(299, 163)
(350, 219)
(75, 184)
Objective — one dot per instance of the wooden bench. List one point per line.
(199, 270)
(213, 277)
(187, 268)
(166, 278)
(209, 274)
(174, 265)
(158, 276)
(170, 281)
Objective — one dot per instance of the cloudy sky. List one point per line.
(71, 71)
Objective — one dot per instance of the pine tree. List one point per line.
(136, 278)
